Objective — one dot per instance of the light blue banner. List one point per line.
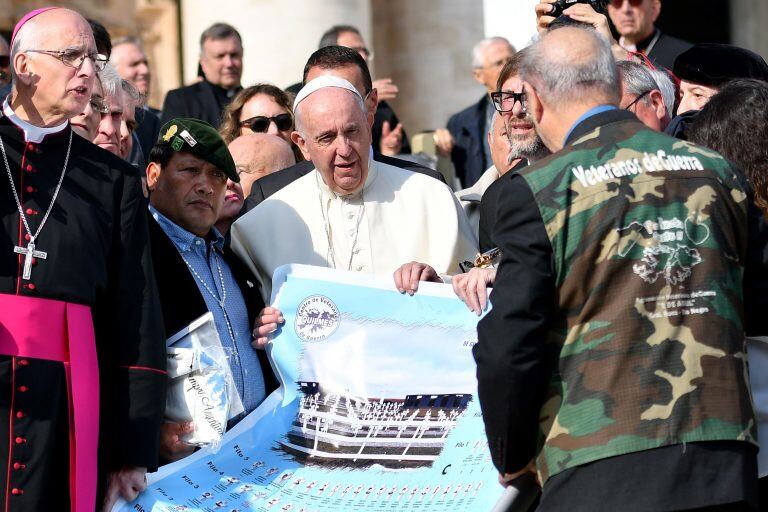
(377, 410)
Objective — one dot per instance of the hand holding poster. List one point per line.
(377, 410)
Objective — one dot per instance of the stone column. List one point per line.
(425, 46)
(278, 36)
(748, 21)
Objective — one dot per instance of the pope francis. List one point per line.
(352, 212)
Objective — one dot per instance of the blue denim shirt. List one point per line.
(204, 256)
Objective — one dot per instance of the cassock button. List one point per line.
(30, 189)
(29, 168)
(17, 492)
(27, 237)
(23, 362)
(30, 211)
(22, 389)
(29, 286)
(19, 465)
(20, 415)
(20, 440)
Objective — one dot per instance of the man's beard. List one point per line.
(525, 146)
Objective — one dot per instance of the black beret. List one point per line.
(714, 64)
(202, 140)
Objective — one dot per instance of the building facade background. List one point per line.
(424, 46)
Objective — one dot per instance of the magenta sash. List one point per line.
(61, 331)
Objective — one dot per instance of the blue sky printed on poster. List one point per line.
(378, 410)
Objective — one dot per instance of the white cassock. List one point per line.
(399, 216)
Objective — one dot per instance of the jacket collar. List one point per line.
(592, 123)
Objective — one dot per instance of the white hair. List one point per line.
(560, 83)
(297, 115)
(111, 83)
(26, 39)
(479, 48)
(667, 88)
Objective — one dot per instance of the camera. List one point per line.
(558, 7)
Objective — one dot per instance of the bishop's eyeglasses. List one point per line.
(75, 58)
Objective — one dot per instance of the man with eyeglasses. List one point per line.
(464, 139)
(82, 359)
(640, 94)
(634, 21)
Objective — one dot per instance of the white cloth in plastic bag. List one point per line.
(201, 388)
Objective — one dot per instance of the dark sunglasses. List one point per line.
(5, 61)
(260, 124)
(618, 3)
(504, 101)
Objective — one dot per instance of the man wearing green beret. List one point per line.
(196, 273)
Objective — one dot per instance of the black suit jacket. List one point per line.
(201, 100)
(271, 183)
(666, 50)
(468, 130)
(181, 299)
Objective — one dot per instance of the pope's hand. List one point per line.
(125, 483)
(172, 448)
(407, 277)
(267, 322)
(472, 287)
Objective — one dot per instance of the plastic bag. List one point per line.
(201, 388)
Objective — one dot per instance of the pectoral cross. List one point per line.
(29, 253)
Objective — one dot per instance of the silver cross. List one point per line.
(29, 253)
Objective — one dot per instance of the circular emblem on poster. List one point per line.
(316, 318)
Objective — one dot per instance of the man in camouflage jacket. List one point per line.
(614, 352)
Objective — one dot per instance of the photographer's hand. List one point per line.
(586, 14)
(543, 19)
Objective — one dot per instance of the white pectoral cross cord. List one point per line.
(29, 252)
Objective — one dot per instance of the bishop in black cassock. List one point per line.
(96, 254)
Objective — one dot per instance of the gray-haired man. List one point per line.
(614, 352)
(221, 61)
(642, 95)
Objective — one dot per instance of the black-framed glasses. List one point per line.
(260, 124)
(75, 58)
(639, 97)
(504, 101)
(5, 61)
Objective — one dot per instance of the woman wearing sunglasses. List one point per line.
(261, 108)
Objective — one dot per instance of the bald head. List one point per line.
(259, 154)
(572, 65)
(48, 89)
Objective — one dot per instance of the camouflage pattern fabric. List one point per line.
(649, 238)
